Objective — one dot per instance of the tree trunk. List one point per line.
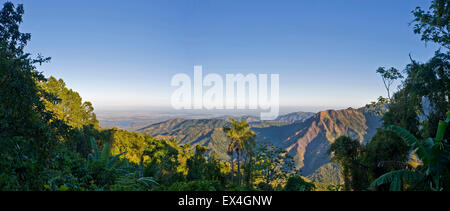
(141, 167)
(389, 96)
(239, 169)
(244, 169)
(232, 170)
(248, 170)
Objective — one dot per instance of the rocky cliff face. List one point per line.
(308, 142)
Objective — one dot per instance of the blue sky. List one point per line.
(122, 54)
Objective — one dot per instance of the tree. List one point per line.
(216, 169)
(297, 183)
(345, 152)
(13, 40)
(133, 143)
(389, 76)
(415, 111)
(273, 165)
(428, 85)
(230, 152)
(379, 107)
(197, 164)
(385, 152)
(249, 161)
(242, 138)
(28, 133)
(69, 106)
(434, 25)
(434, 154)
(161, 160)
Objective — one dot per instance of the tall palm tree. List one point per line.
(241, 136)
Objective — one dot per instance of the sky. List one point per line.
(123, 54)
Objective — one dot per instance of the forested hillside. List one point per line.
(209, 133)
(205, 132)
(306, 140)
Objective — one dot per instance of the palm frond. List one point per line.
(396, 178)
(116, 157)
(96, 154)
(105, 152)
(147, 181)
(412, 141)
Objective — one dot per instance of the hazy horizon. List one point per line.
(169, 109)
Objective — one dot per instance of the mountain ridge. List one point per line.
(311, 139)
(307, 140)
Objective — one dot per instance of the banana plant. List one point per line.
(104, 155)
(431, 152)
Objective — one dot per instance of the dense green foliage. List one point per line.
(206, 132)
(50, 138)
(70, 107)
(433, 173)
(273, 165)
(401, 155)
(27, 131)
(434, 25)
(296, 183)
